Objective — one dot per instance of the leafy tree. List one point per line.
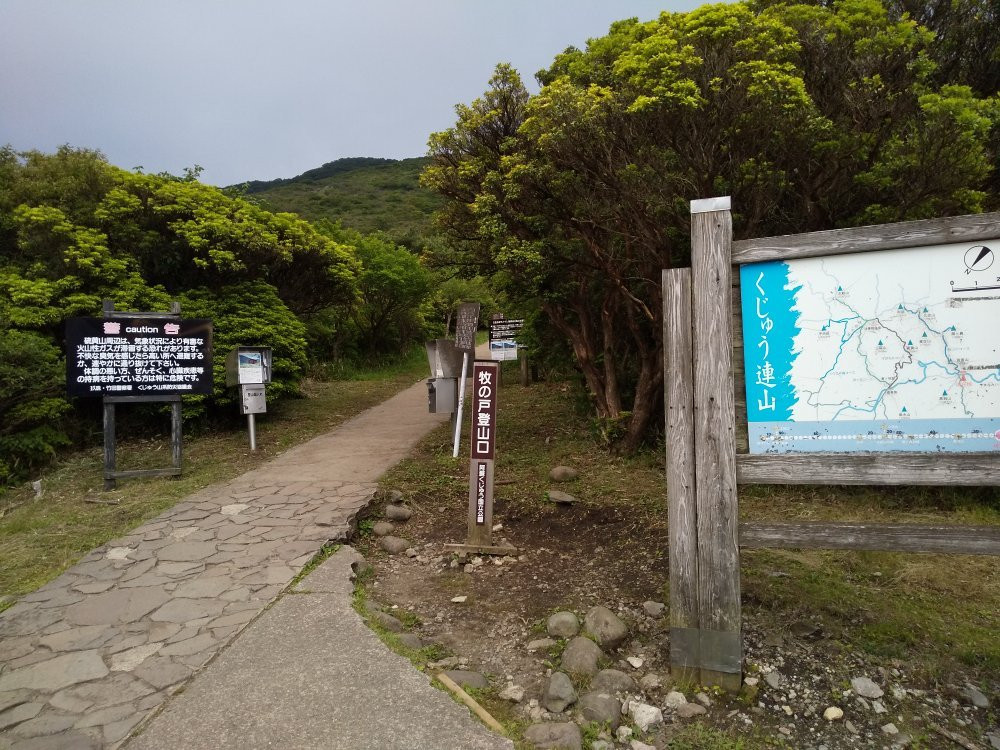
(32, 383)
(392, 288)
(75, 230)
(810, 117)
(250, 314)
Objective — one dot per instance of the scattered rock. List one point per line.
(623, 734)
(865, 687)
(645, 716)
(674, 700)
(833, 713)
(805, 630)
(562, 498)
(361, 569)
(562, 625)
(994, 738)
(465, 679)
(703, 699)
(411, 641)
(541, 644)
(581, 656)
(606, 627)
(634, 661)
(602, 708)
(382, 528)
(459, 599)
(775, 679)
(393, 544)
(553, 735)
(690, 710)
(974, 697)
(559, 693)
(398, 513)
(446, 663)
(850, 727)
(563, 474)
(651, 681)
(612, 681)
(387, 621)
(601, 745)
(890, 729)
(637, 745)
(878, 707)
(411, 552)
(513, 693)
(395, 497)
(654, 609)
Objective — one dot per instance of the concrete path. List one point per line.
(309, 674)
(87, 657)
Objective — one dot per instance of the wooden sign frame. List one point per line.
(707, 442)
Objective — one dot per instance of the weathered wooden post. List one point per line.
(715, 444)
(681, 509)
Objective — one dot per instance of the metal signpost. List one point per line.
(249, 367)
(466, 324)
(138, 357)
(485, 382)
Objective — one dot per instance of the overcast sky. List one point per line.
(258, 89)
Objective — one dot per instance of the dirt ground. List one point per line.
(573, 557)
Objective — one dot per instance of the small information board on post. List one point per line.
(503, 338)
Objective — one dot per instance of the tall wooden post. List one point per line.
(715, 444)
(682, 515)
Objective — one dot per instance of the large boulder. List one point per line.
(612, 681)
(554, 736)
(602, 708)
(562, 625)
(607, 628)
(559, 693)
(581, 657)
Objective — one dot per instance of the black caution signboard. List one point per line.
(144, 356)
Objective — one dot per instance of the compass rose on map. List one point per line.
(978, 258)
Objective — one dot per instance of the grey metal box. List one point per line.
(441, 395)
(253, 399)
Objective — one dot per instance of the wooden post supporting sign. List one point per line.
(482, 454)
(702, 329)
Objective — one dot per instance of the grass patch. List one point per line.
(40, 538)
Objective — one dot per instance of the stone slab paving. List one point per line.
(87, 657)
(310, 675)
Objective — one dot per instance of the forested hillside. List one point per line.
(366, 194)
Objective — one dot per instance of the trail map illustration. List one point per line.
(896, 350)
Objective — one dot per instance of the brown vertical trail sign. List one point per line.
(482, 452)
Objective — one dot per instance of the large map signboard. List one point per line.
(897, 350)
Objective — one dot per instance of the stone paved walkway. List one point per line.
(87, 657)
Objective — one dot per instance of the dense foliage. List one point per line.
(811, 116)
(75, 230)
